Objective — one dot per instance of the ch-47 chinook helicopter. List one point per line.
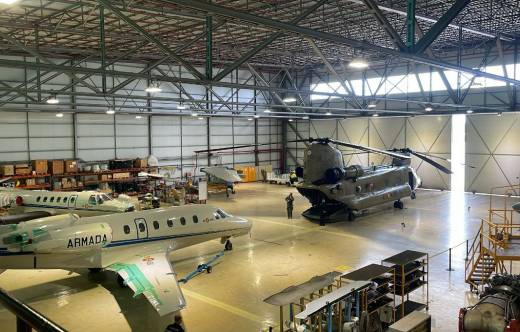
(336, 190)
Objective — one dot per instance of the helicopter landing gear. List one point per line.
(351, 216)
(228, 246)
(398, 205)
(412, 195)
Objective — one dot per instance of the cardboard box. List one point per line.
(120, 175)
(40, 166)
(22, 171)
(56, 167)
(106, 177)
(22, 166)
(140, 163)
(30, 182)
(71, 166)
(7, 170)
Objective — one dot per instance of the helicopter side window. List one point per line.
(358, 189)
(91, 200)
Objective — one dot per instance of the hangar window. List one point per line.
(170, 222)
(156, 224)
(45, 199)
(52, 199)
(38, 199)
(195, 219)
(183, 221)
(126, 228)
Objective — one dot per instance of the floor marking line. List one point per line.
(224, 306)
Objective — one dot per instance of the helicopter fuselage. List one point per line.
(376, 185)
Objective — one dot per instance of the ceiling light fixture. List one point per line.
(499, 114)
(372, 105)
(181, 106)
(201, 118)
(138, 117)
(59, 115)
(469, 111)
(257, 116)
(305, 118)
(267, 111)
(53, 100)
(249, 119)
(153, 88)
(194, 114)
(375, 115)
(8, 2)
(289, 100)
(328, 113)
(110, 110)
(290, 120)
(358, 63)
(428, 109)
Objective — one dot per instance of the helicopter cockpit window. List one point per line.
(358, 189)
(92, 200)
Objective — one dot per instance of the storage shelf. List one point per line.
(36, 186)
(27, 176)
(409, 306)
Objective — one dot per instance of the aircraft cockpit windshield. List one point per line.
(99, 199)
(219, 214)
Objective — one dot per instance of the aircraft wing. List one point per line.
(223, 173)
(153, 276)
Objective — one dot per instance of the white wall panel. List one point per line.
(13, 136)
(131, 136)
(95, 136)
(51, 137)
(430, 135)
(353, 131)
(386, 133)
(493, 148)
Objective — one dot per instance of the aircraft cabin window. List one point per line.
(91, 200)
(216, 215)
(64, 200)
(45, 199)
(141, 227)
(183, 221)
(58, 199)
(156, 224)
(169, 222)
(72, 200)
(126, 228)
(195, 219)
(38, 199)
(52, 199)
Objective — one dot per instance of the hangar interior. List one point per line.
(178, 88)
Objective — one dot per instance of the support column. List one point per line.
(209, 76)
(102, 47)
(410, 23)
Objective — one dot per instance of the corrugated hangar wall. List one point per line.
(41, 135)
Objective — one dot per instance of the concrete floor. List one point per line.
(279, 253)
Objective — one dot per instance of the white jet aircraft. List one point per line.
(135, 245)
(82, 203)
(516, 207)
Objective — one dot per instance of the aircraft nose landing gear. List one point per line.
(228, 246)
(398, 205)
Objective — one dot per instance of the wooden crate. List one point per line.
(22, 170)
(40, 166)
(71, 166)
(56, 167)
(7, 170)
(121, 175)
(140, 163)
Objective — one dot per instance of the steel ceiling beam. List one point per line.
(439, 26)
(333, 38)
(266, 42)
(152, 39)
(382, 20)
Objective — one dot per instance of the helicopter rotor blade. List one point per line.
(369, 149)
(233, 147)
(432, 162)
(442, 158)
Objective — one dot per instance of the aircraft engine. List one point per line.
(74, 238)
(354, 172)
(498, 308)
(45, 223)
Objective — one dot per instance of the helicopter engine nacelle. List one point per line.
(322, 159)
(353, 172)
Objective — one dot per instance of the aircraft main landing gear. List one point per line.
(398, 205)
(228, 246)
